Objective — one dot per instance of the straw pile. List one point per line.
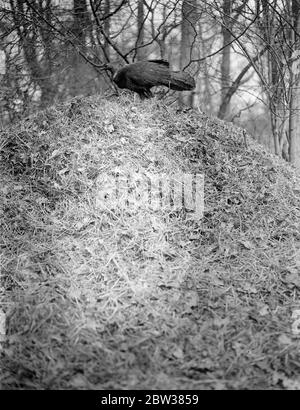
(108, 298)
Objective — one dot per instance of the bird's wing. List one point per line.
(148, 74)
(163, 62)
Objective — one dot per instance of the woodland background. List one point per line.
(244, 55)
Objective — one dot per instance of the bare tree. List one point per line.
(294, 124)
(188, 40)
(140, 52)
(107, 28)
(37, 42)
(225, 64)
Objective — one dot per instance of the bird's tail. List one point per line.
(181, 81)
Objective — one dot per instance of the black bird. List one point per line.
(143, 75)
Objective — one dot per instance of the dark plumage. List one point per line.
(143, 75)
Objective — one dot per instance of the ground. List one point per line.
(121, 298)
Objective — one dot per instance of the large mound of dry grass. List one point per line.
(117, 299)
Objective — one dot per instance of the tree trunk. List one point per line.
(294, 147)
(140, 50)
(107, 29)
(162, 39)
(78, 66)
(225, 64)
(40, 65)
(80, 22)
(188, 38)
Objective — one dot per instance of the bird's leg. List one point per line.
(149, 94)
(144, 93)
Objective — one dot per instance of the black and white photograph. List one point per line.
(149, 198)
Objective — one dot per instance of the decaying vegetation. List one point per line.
(157, 300)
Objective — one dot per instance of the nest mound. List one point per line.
(102, 298)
